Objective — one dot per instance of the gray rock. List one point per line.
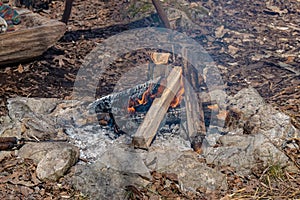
(259, 117)
(257, 135)
(248, 101)
(100, 182)
(36, 105)
(29, 123)
(125, 161)
(114, 164)
(244, 152)
(56, 163)
(164, 152)
(268, 152)
(5, 124)
(236, 140)
(193, 174)
(52, 159)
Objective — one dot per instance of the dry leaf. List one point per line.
(20, 69)
(290, 59)
(222, 114)
(214, 107)
(232, 50)
(219, 33)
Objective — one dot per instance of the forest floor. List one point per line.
(254, 43)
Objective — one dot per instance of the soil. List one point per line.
(253, 43)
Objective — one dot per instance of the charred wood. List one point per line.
(107, 103)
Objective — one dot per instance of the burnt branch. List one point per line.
(67, 11)
(162, 14)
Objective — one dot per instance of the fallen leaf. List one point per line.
(20, 69)
(290, 59)
(219, 33)
(232, 50)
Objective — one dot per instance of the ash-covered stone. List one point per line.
(53, 159)
(255, 137)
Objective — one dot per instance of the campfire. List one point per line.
(163, 99)
(142, 104)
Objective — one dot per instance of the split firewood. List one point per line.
(147, 130)
(158, 65)
(194, 112)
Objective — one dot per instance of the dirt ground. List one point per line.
(254, 43)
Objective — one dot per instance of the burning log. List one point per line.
(147, 130)
(173, 116)
(105, 104)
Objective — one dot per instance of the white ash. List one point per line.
(94, 140)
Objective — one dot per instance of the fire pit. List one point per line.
(166, 101)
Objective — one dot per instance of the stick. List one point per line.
(105, 104)
(67, 11)
(161, 13)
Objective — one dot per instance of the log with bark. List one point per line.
(31, 38)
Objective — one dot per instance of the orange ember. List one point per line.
(145, 95)
(131, 110)
(178, 98)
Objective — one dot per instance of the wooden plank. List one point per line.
(194, 111)
(147, 130)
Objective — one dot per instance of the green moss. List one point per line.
(140, 8)
(276, 171)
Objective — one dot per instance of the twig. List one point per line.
(67, 11)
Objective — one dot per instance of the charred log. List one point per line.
(106, 103)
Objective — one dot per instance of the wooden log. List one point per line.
(106, 103)
(194, 112)
(28, 42)
(147, 130)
